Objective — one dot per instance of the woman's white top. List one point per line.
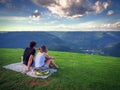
(39, 60)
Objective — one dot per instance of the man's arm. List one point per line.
(29, 63)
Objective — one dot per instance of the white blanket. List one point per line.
(19, 67)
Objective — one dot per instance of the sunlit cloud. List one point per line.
(110, 12)
(72, 8)
(35, 15)
(88, 26)
(115, 25)
(59, 15)
(66, 8)
(100, 6)
(55, 25)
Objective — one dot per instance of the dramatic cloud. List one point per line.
(66, 8)
(110, 12)
(72, 8)
(100, 6)
(35, 15)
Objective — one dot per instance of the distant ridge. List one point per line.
(83, 42)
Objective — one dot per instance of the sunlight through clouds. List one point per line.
(66, 8)
(72, 8)
(59, 15)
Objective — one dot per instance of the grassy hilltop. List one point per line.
(77, 72)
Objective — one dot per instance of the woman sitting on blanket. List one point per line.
(43, 60)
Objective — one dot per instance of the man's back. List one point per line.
(27, 53)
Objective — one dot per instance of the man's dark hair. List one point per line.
(32, 44)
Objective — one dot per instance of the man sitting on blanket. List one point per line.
(28, 55)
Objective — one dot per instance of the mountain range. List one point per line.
(83, 42)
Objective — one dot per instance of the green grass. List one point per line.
(77, 72)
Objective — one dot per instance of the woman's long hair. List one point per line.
(43, 48)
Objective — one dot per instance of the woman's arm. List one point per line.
(48, 57)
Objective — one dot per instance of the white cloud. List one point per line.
(100, 6)
(35, 15)
(72, 8)
(114, 25)
(13, 18)
(106, 4)
(110, 12)
(66, 8)
(88, 26)
(25, 24)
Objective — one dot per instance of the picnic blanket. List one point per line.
(19, 67)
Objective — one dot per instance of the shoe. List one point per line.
(46, 72)
(39, 73)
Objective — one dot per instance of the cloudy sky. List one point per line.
(59, 15)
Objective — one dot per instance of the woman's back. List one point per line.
(39, 60)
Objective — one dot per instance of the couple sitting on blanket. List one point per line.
(42, 59)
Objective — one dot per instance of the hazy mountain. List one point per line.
(22, 39)
(112, 50)
(90, 40)
(102, 43)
